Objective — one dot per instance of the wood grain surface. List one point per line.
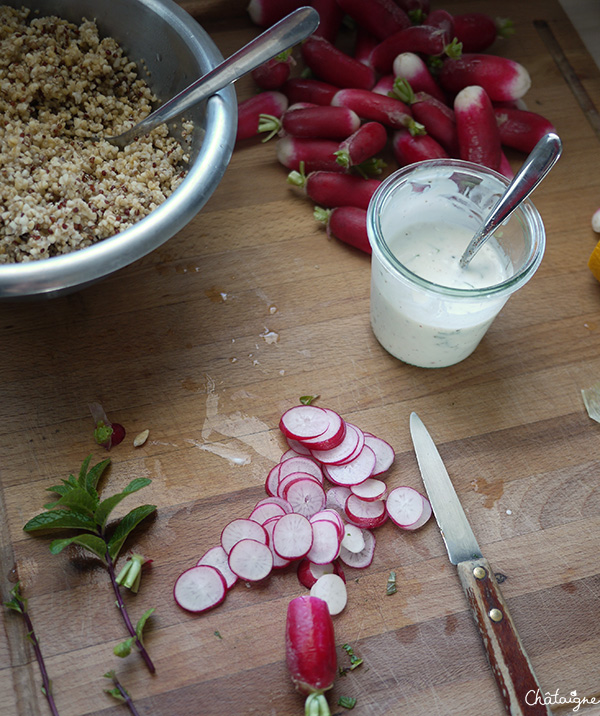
(207, 340)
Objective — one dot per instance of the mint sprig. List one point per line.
(81, 508)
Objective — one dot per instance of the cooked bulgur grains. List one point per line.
(59, 191)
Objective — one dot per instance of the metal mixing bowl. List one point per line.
(168, 44)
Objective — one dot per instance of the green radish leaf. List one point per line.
(139, 627)
(83, 471)
(124, 648)
(106, 506)
(94, 544)
(18, 603)
(79, 500)
(94, 475)
(125, 526)
(115, 693)
(60, 519)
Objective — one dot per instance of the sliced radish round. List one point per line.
(292, 536)
(331, 588)
(239, 529)
(308, 573)
(343, 450)
(306, 496)
(217, 557)
(354, 472)
(275, 500)
(300, 463)
(408, 508)
(353, 539)
(332, 437)
(366, 515)
(332, 516)
(286, 481)
(326, 542)
(297, 447)
(278, 562)
(261, 513)
(304, 421)
(251, 560)
(200, 588)
(362, 559)
(272, 480)
(336, 498)
(384, 453)
(370, 489)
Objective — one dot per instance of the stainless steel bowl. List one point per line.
(175, 51)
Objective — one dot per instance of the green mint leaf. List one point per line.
(106, 506)
(139, 627)
(347, 702)
(79, 500)
(83, 471)
(94, 475)
(94, 544)
(60, 519)
(308, 399)
(125, 526)
(124, 648)
(60, 489)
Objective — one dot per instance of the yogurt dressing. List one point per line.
(425, 327)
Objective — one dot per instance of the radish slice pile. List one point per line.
(324, 499)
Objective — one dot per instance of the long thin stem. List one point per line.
(47, 686)
(125, 615)
(125, 696)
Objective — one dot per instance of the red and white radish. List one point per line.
(362, 145)
(412, 68)
(326, 542)
(306, 496)
(362, 559)
(408, 508)
(346, 223)
(331, 189)
(438, 119)
(330, 18)
(380, 18)
(502, 79)
(292, 536)
(371, 489)
(476, 127)
(408, 149)
(363, 46)
(375, 107)
(304, 421)
(384, 453)
(331, 588)
(308, 89)
(272, 74)
(200, 588)
(366, 514)
(353, 539)
(477, 31)
(308, 572)
(351, 445)
(239, 529)
(300, 463)
(521, 129)
(419, 39)
(312, 154)
(331, 437)
(319, 122)
(354, 472)
(251, 560)
(310, 650)
(254, 110)
(278, 562)
(332, 65)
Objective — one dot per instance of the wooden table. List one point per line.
(208, 339)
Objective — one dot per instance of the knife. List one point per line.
(518, 685)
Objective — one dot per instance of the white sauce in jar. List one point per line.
(423, 327)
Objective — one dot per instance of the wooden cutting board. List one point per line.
(207, 340)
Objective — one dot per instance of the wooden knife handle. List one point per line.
(510, 664)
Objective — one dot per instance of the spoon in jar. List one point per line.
(542, 158)
(286, 33)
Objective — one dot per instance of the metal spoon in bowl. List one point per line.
(286, 33)
(542, 158)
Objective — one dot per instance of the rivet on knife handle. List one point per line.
(508, 659)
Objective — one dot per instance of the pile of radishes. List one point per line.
(415, 81)
(325, 497)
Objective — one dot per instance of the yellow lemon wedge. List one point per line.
(594, 262)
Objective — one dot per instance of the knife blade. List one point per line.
(507, 657)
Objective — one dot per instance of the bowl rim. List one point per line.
(77, 269)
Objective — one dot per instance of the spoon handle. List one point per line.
(542, 158)
(286, 33)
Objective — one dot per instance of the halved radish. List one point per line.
(308, 572)
(362, 559)
(370, 489)
(367, 515)
(326, 542)
(300, 463)
(278, 562)
(408, 508)
(353, 539)
(304, 421)
(342, 451)
(384, 453)
(200, 588)
(305, 495)
(332, 437)
(331, 588)
(354, 472)
(292, 536)
(251, 560)
(239, 529)
(217, 557)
